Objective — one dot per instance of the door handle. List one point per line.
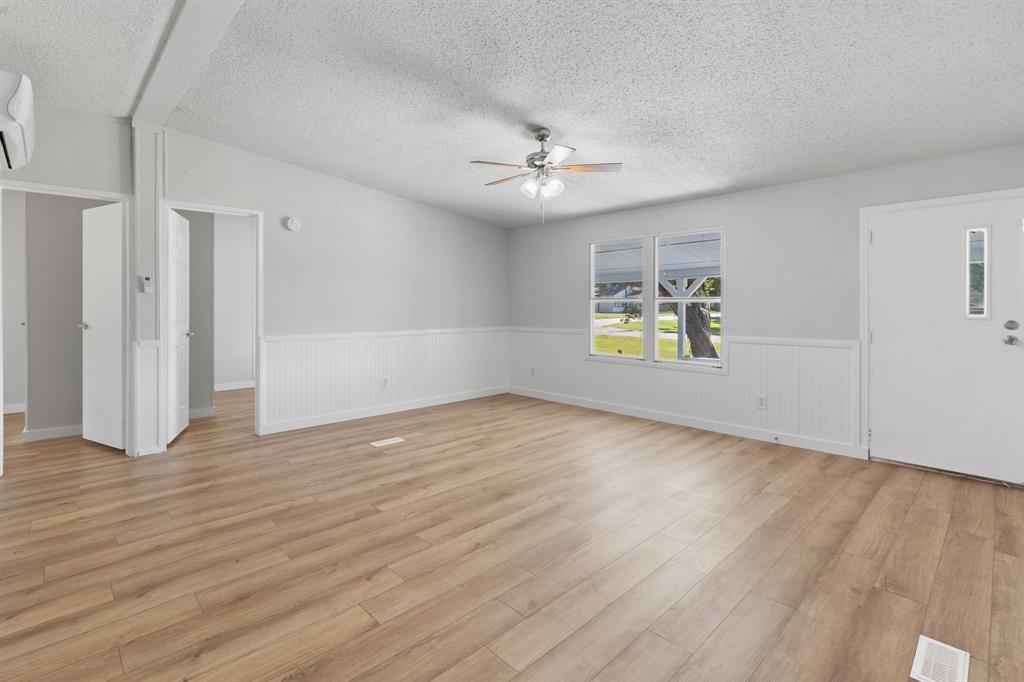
(83, 325)
(189, 333)
(1010, 340)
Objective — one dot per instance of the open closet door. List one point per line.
(103, 325)
(178, 330)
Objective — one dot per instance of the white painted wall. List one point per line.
(87, 152)
(791, 300)
(234, 302)
(14, 355)
(791, 250)
(364, 260)
(368, 268)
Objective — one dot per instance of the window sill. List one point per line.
(661, 364)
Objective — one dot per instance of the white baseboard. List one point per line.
(234, 385)
(200, 412)
(147, 451)
(320, 420)
(845, 449)
(14, 408)
(30, 435)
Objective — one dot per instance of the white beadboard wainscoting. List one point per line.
(317, 379)
(811, 386)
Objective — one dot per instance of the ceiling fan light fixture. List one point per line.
(551, 186)
(531, 186)
(541, 181)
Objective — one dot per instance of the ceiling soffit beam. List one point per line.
(193, 34)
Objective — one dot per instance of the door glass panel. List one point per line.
(977, 272)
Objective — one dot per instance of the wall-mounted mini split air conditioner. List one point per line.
(17, 122)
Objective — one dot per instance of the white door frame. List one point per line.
(126, 243)
(865, 254)
(162, 305)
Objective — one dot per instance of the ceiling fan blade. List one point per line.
(508, 179)
(591, 167)
(558, 154)
(495, 163)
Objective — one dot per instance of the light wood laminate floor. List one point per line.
(506, 538)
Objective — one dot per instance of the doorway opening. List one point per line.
(211, 316)
(64, 311)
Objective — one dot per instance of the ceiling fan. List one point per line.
(543, 168)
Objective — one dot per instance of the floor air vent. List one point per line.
(938, 662)
(387, 441)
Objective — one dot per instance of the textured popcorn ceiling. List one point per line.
(83, 56)
(694, 97)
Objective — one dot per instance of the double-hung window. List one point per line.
(689, 297)
(683, 290)
(616, 298)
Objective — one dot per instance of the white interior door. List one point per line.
(178, 320)
(946, 361)
(103, 325)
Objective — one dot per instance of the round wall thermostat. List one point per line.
(293, 224)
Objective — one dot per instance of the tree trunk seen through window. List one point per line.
(698, 329)
(698, 316)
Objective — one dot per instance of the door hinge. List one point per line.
(869, 437)
(871, 236)
(871, 337)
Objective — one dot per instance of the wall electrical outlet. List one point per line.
(762, 402)
(533, 371)
(383, 383)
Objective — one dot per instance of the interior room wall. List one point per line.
(364, 260)
(790, 311)
(234, 302)
(376, 304)
(791, 250)
(13, 248)
(201, 294)
(73, 150)
(54, 310)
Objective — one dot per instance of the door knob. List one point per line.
(189, 333)
(1011, 324)
(83, 325)
(1010, 340)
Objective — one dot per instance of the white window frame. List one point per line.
(986, 261)
(592, 300)
(706, 363)
(650, 302)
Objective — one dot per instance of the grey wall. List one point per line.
(54, 287)
(92, 152)
(363, 261)
(201, 293)
(791, 251)
(234, 300)
(13, 248)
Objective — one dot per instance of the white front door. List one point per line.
(177, 316)
(103, 325)
(945, 314)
